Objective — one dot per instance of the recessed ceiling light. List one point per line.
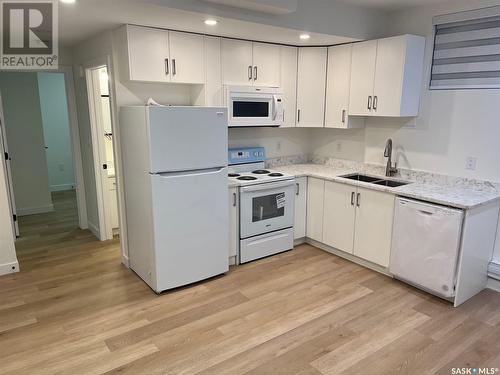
(304, 36)
(211, 22)
(68, 1)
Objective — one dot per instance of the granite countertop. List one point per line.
(459, 195)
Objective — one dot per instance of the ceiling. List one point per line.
(86, 18)
(391, 5)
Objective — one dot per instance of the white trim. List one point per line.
(494, 270)
(105, 227)
(94, 229)
(34, 210)
(493, 284)
(8, 268)
(125, 261)
(467, 15)
(62, 187)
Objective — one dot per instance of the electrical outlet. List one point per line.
(339, 146)
(278, 146)
(470, 163)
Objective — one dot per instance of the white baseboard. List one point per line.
(94, 229)
(62, 187)
(34, 210)
(494, 270)
(125, 261)
(8, 268)
(493, 284)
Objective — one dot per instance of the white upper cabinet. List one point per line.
(237, 67)
(398, 76)
(165, 56)
(386, 76)
(288, 84)
(266, 64)
(187, 57)
(148, 54)
(250, 63)
(338, 87)
(364, 56)
(311, 83)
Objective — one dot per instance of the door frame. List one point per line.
(105, 230)
(76, 151)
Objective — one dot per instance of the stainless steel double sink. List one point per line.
(374, 180)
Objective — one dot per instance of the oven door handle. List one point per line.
(268, 186)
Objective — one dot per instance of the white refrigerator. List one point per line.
(175, 184)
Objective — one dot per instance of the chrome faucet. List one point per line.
(389, 169)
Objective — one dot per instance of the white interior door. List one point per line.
(237, 68)
(191, 228)
(338, 86)
(311, 84)
(266, 64)
(364, 56)
(339, 215)
(8, 172)
(148, 54)
(187, 58)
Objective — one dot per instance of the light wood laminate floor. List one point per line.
(74, 309)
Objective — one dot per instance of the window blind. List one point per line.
(467, 54)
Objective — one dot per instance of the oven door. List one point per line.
(266, 207)
(252, 109)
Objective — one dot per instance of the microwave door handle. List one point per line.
(275, 107)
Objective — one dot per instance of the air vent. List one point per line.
(262, 6)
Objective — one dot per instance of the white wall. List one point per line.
(23, 123)
(54, 108)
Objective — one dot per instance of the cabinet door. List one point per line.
(389, 76)
(338, 86)
(148, 54)
(237, 67)
(299, 227)
(311, 83)
(288, 84)
(213, 85)
(266, 64)
(339, 215)
(364, 55)
(234, 218)
(315, 200)
(374, 216)
(187, 58)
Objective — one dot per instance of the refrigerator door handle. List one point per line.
(195, 172)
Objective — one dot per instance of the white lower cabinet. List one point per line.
(339, 216)
(352, 219)
(299, 227)
(234, 222)
(374, 217)
(315, 206)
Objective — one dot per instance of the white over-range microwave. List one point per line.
(254, 106)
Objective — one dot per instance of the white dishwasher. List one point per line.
(425, 245)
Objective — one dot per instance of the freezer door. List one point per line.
(425, 245)
(187, 138)
(190, 215)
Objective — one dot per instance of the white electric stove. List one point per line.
(267, 203)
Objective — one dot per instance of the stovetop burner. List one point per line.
(233, 175)
(275, 174)
(261, 171)
(247, 178)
